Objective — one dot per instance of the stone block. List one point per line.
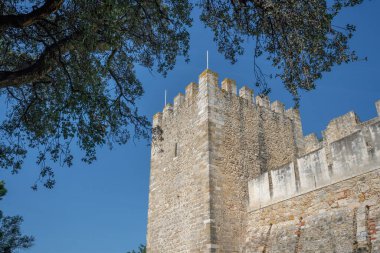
(157, 119)
(313, 170)
(168, 110)
(178, 100)
(246, 93)
(229, 85)
(278, 107)
(259, 194)
(284, 184)
(208, 77)
(263, 101)
(191, 91)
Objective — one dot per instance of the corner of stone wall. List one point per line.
(229, 86)
(179, 100)
(295, 116)
(167, 112)
(157, 119)
(311, 143)
(191, 92)
(263, 101)
(247, 94)
(341, 126)
(278, 107)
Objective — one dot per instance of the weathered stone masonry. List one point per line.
(236, 174)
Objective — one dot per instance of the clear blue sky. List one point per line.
(103, 207)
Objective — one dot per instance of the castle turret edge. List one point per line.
(208, 86)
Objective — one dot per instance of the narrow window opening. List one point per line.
(175, 150)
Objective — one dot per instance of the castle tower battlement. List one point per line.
(227, 161)
(228, 86)
(208, 84)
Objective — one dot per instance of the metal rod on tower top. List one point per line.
(207, 58)
(165, 98)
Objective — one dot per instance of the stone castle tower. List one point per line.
(234, 174)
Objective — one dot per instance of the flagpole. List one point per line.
(207, 58)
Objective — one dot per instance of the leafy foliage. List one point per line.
(142, 249)
(298, 37)
(10, 234)
(70, 75)
(3, 191)
(67, 68)
(11, 237)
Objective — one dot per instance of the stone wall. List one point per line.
(353, 155)
(222, 140)
(333, 207)
(246, 139)
(235, 174)
(179, 184)
(342, 217)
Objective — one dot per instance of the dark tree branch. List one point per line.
(40, 67)
(24, 20)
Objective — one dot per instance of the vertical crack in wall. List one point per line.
(267, 238)
(262, 144)
(263, 156)
(363, 233)
(367, 223)
(296, 174)
(368, 142)
(300, 224)
(243, 141)
(355, 231)
(330, 230)
(295, 156)
(212, 232)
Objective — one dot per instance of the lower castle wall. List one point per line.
(342, 217)
(330, 209)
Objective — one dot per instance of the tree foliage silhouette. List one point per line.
(67, 68)
(141, 249)
(10, 232)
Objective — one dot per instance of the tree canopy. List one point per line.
(141, 249)
(10, 235)
(10, 232)
(67, 68)
(298, 37)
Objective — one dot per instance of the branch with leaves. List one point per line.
(67, 71)
(298, 37)
(10, 233)
(67, 68)
(24, 20)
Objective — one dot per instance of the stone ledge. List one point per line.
(253, 209)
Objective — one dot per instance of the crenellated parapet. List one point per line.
(349, 148)
(341, 127)
(311, 143)
(229, 86)
(208, 88)
(278, 107)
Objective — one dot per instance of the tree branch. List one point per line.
(40, 67)
(24, 20)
